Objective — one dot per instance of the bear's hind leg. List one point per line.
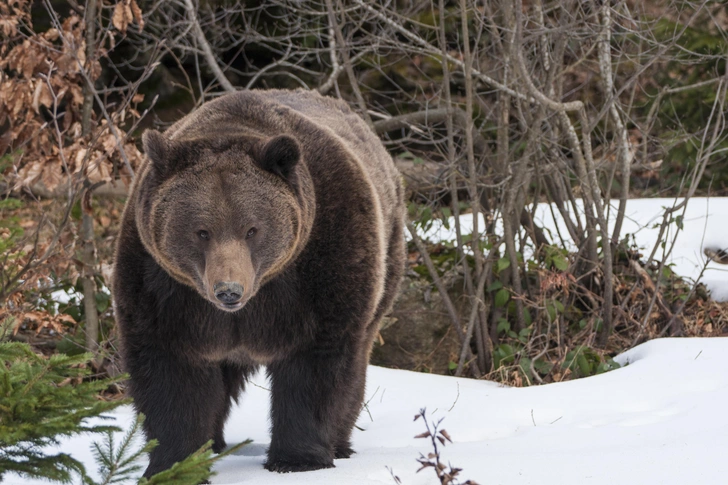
(353, 391)
(358, 371)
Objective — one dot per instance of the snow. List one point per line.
(660, 419)
(705, 225)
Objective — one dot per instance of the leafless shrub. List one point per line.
(489, 109)
(493, 107)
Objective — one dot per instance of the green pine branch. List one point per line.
(45, 398)
(195, 469)
(119, 463)
(41, 400)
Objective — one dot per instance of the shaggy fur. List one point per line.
(288, 200)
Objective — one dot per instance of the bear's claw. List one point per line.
(282, 466)
(343, 452)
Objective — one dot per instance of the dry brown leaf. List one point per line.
(34, 316)
(51, 34)
(78, 160)
(18, 106)
(51, 176)
(9, 26)
(41, 96)
(123, 16)
(137, 14)
(77, 94)
(29, 174)
(62, 317)
(109, 143)
(99, 172)
(75, 130)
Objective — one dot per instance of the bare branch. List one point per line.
(206, 49)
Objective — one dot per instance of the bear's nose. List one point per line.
(228, 292)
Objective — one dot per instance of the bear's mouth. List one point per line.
(232, 307)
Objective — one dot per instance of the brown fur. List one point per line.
(287, 200)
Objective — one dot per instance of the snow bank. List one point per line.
(659, 420)
(705, 225)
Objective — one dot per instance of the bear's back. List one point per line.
(336, 116)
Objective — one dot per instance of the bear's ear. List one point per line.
(278, 155)
(157, 148)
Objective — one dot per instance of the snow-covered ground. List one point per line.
(660, 419)
(705, 225)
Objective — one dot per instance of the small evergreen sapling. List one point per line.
(119, 462)
(43, 399)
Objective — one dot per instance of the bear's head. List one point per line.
(222, 215)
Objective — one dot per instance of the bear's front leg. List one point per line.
(181, 401)
(306, 399)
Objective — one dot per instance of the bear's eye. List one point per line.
(251, 233)
(204, 235)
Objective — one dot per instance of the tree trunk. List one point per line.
(87, 223)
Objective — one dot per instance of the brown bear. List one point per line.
(264, 228)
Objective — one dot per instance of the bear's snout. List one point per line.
(228, 292)
(229, 277)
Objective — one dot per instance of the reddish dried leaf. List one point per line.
(137, 12)
(123, 16)
(52, 175)
(41, 96)
(9, 26)
(66, 319)
(29, 174)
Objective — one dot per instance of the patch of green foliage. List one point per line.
(44, 399)
(583, 361)
(513, 347)
(39, 404)
(699, 55)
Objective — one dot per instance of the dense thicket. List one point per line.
(488, 108)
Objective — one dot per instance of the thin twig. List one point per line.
(206, 49)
